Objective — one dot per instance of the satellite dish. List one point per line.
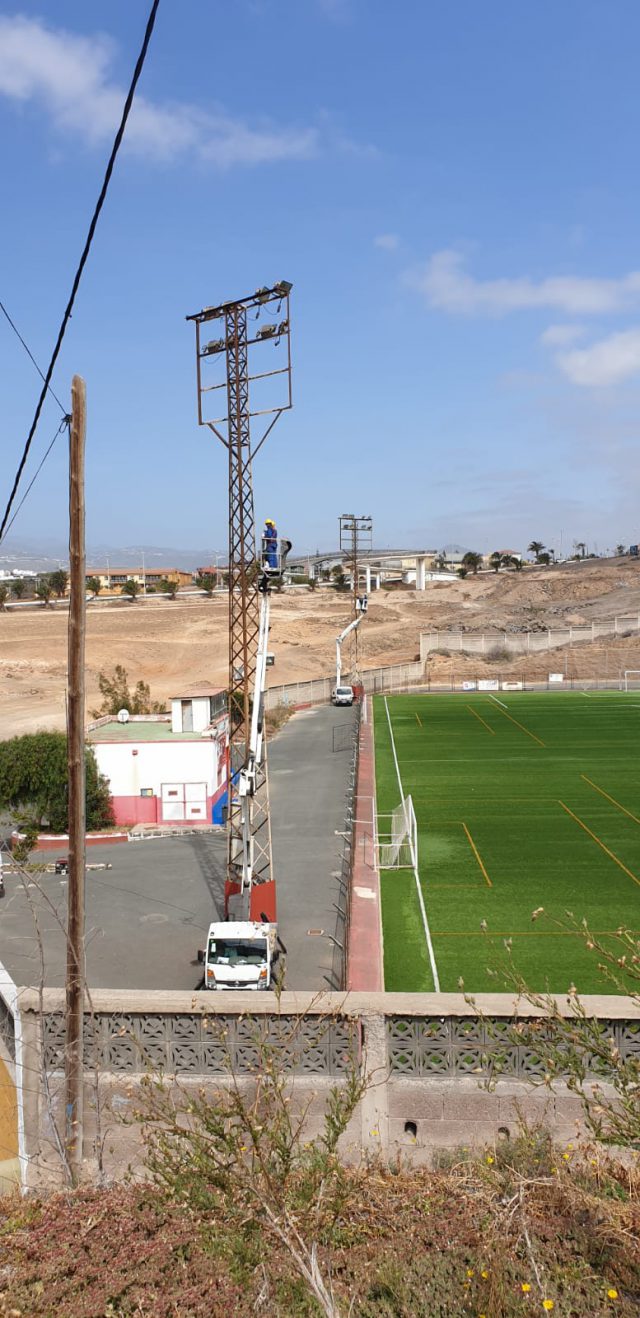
(123, 716)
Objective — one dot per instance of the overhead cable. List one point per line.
(83, 259)
(65, 422)
(29, 353)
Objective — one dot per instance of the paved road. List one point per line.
(308, 784)
(148, 914)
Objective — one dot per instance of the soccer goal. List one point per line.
(397, 840)
(632, 679)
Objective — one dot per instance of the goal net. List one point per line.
(632, 679)
(397, 840)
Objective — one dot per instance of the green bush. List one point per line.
(34, 780)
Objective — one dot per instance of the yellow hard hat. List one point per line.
(268, 521)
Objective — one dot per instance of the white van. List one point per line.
(342, 695)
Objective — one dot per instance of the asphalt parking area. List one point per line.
(146, 917)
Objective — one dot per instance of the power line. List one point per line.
(85, 252)
(65, 422)
(29, 353)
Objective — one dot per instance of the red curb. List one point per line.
(365, 967)
(56, 841)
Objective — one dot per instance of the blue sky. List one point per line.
(453, 191)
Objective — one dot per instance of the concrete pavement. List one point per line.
(308, 784)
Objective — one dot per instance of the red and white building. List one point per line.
(166, 769)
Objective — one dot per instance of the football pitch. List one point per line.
(522, 801)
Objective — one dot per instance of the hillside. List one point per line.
(173, 645)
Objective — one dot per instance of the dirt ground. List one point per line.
(173, 645)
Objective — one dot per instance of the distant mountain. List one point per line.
(47, 554)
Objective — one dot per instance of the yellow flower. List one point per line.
(469, 1272)
(484, 1273)
(526, 1287)
(548, 1305)
(489, 1159)
(612, 1293)
(566, 1156)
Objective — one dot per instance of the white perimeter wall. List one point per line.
(158, 762)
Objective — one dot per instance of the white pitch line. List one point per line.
(498, 702)
(425, 922)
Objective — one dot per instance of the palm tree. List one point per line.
(545, 559)
(620, 550)
(581, 548)
(536, 548)
(44, 591)
(132, 589)
(441, 560)
(472, 560)
(94, 585)
(4, 595)
(495, 560)
(18, 588)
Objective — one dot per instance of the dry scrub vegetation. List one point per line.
(524, 1229)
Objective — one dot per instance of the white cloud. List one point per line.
(69, 75)
(560, 336)
(610, 361)
(448, 287)
(387, 241)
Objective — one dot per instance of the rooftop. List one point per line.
(200, 689)
(140, 731)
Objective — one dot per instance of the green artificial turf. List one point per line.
(504, 780)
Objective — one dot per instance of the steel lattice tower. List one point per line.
(234, 430)
(356, 536)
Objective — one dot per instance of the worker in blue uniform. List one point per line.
(270, 543)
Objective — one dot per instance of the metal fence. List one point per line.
(317, 691)
(344, 874)
(528, 642)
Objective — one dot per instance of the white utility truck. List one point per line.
(342, 693)
(244, 953)
(240, 954)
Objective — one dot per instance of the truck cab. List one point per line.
(239, 955)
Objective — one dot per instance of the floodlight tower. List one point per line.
(235, 349)
(356, 535)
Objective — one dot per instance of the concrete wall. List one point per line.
(527, 642)
(428, 1056)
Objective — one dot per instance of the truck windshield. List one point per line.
(233, 952)
(344, 691)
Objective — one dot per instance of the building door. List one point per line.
(172, 803)
(184, 801)
(187, 715)
(195, 799)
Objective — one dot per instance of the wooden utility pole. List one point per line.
(76, 768)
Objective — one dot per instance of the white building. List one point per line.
(166, 769)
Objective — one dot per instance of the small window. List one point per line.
(146, 791)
